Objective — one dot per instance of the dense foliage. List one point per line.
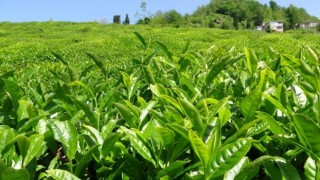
(87, 101)
(237, 14)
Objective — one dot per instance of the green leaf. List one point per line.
(126, 114)
(220, 105)
(172, 101)
(199, 147)
(36, 148)
(192, 114)
(141, 39)
(167, 136)
(288, 170)
(84, 161)
(231, 174)
(242, 131)
(2, 167)
(214, 140)
(316, 108)
(59, 174)
(310, 169)
(15, 174)
(23, 144)
(14, 92)
(148, 74)
(224, 115)
(306, 129)
(250, 104)
(220, 65)
(95, 134)
(165, 50)
(313, 56)
(276, 103)
(229, 156)
(108, 143)
(88, 112)
(6, 137)
(172, 170)
(252, 61)
(272, 170)
(67, 134)
(180, 130)
(146, 110)
(139, 145)
(263, 79)
(294, 142)
(251, 170)
(98, 62)
(59, 57)
(274, 125)
(81, 84)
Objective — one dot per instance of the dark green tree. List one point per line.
(273, 5)
(126, 20)
(117, 19)
(173, 17)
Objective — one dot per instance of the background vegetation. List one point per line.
(92, 101)
(232, 14)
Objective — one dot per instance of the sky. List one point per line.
(95, 10)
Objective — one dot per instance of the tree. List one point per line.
(173, 17)
(144, 16)
(127, 20)
(116, 19)
(273, 5)
(295, 15)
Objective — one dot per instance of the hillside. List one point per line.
(92, 101)
(246, 14)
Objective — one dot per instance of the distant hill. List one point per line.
(247, 14)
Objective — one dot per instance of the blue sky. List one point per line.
(85, 10)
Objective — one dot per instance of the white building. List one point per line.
(308, 25)
(276, 26)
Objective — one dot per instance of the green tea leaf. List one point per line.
(126, 114)
(250, 104)
(98, 62)
(148, 74)
(6, 137)
(15, 174)
(199, 147)
(85, 160)
(14, 92)
(229, 156)
(81, 84)
(141, 39)
(108, 143)
(288, 170)
(276, 103)
(306, 129)
(36, 148)
(252, 61)
(172, 170)
(310, 169)
(251, 170)
(139, 145)
(67, 134)
(231, 174)
(180, 130)
(23, 144)
(274, 125)
(192, 114)
(88, 112)
(59, 174)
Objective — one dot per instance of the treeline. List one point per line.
(233, 14)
